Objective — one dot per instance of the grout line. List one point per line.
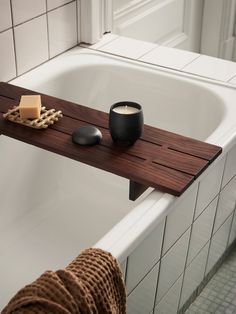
(155, 264)
(80, 21)
(39, 15)
(35, 67)
(160, 263)
(31, 19)
(193, 260)
(61, 6)
(143, 278)
(176, 240)
(14, 39)
(186, 259)
(195, 76)
(126, 270)
(157, 46)
(6, 29)
(156, 305)
(228, 81)
(189, 242)
(49, 56)
(77, 21)
(196, 218)
(231, 224)
(182, 69)
(213, 225)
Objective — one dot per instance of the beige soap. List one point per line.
(30, 106)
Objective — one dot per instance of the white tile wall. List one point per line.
(62, 29)
(52, 4)
(218, 244)
(183, 213)
(209, 187)
(232, 236)
(141, 300)
(169, 57)
(172, 265)
(128, 47)
(144, 257)
(230, 166)
(227, 203)
(27, 41)
(194, 275)
(25, 10)
(7, 57)
(169, 303)
(5, 15)
(210, 67)
(31, 44)
(201, 230)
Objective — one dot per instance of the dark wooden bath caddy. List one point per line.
(160, 159)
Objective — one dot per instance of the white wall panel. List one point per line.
(156, 21)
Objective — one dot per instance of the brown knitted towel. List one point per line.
(91, 284)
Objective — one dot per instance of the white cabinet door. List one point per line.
(174, 23)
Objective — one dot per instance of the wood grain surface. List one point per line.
(159, 159)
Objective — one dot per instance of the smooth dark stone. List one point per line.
(87, 135)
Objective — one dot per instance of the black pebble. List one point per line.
(87, 135)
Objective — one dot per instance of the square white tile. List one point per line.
(144, 257)
(214, 68)
(227, 203)
(230, 166)
(141, 300)
(25, 10)
(52, 4)
(179, 219)
(172, 265)
(232, 236)
(128, 47)
(218, 244)
(209, 187)
(7, 56)
(194, 275)
(5, 15)
(170, 57)
(62, 29)
(31, 44)
(201, 230)
(169, 303)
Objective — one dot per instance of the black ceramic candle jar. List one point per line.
(126, 122)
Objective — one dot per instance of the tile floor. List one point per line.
(219, 295)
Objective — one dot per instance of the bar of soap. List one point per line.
(30, 107)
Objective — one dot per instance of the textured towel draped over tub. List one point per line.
(91, 284)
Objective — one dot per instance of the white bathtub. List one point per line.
(56, 207)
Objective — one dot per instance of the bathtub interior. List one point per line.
(169, 102)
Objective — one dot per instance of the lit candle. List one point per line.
(126, 109)
(126, 122)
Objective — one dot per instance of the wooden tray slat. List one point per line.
(160, 159)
